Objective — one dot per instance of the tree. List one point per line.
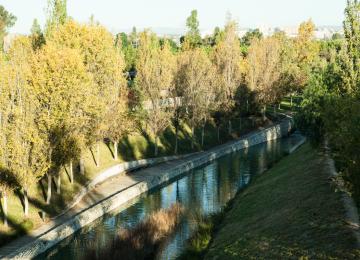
(105, 63)
(57, 15)
(307, 51)
(264, 70)
(37, 37)
(26, 156)
(7, 20)
(155, 71)
(196, 77)
(351, 55)
(7, 183)
(120, 122)
(228, 61)
(250, 36)
(65, 93)
(193, 37)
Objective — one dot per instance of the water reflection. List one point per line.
(205, 189)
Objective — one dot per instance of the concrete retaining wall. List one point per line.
(117, 170)
(60, 232)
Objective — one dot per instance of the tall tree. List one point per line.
(7, 20)
(264, 70)
(250, 36)
(120, 122)
(307, 51)
(196, 76)
(103, 60)
(228, 61)
(37, 36)
(351, 54)
(57, 15)
(155, 71)
(26, 149)
(65, 93)
(193, 37)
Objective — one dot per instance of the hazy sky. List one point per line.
(121, 14)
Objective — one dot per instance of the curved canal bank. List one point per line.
(203, 190)
(128, 188)
(294, 211)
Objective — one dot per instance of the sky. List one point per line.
(118, 15)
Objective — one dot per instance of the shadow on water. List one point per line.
(205, 189)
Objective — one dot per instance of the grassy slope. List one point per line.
(290, 212)
(136, 146)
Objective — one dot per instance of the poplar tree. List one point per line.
(306, 51)
(155, 71)
(103, 61)
(196, 76)
(193, 37)
(26, 156)
(7, 20)
(7, 184)
(264, 70)
(37, 36)
(350, 56)
(228, 60)
(57, 15)
(64, 91)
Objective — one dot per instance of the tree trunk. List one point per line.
(192, 137)
(98, 154)
(264, 113)
(291, 101)
(275, 110)
(202, 135)
(176, 139)
(58, 183)
(230, 127)
(4, 206)
(218, 133)
(82, 166)
(115, 151)
(247, 105)
(240, 125)
(156, 146)
(71, 172)
(26, 203)
(48, 196)
(279, 105)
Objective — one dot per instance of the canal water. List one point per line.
(203, 190)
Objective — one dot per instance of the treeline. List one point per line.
(66, 88)
(331, 107)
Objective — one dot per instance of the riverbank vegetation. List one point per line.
(141, 241)
(75, 99)
(331, 109)
(291, 211)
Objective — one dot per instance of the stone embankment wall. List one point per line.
(67, 228)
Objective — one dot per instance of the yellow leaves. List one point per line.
(307, 48)
(196, 80)
(155, 67)
(228, 60)
(264, 68)
(62, 84)
(306, 31)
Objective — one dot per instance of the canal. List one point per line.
(203, 190)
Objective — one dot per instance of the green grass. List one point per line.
(135, 146)
(290, 212)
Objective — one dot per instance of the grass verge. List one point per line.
(291, 212)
